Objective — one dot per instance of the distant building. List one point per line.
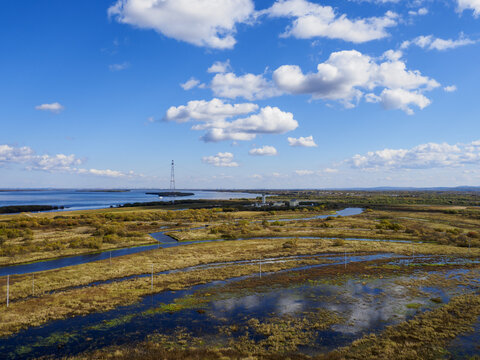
(293, 203)
(278, 204)
(264, 199)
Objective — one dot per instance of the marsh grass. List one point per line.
(423, 337)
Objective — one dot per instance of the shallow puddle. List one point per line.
(467, 345)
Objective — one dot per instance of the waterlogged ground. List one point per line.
(161, 237)
(311, 309)
(467, 345)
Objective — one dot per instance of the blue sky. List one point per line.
(241, 93)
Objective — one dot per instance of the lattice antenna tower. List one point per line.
(172, 177)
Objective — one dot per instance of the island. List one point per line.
(171, 193)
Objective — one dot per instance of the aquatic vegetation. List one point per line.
(423, 337)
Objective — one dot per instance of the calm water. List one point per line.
(74, 199)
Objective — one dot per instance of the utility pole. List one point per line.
(8, 288)
(172, 181)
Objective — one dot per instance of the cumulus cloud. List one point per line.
(425, 156)
(469, 5)
(213, 118)
(200, 22)
(302, 141)
(51, 163)
(346, 75)
(53, 107)
(430, 42)
(400, 99)
(248, 86)
(190, 84)
(119, 67)
(450, 88)
(212, 110)
(220, 67)
(314, 20)
(224, 159)
(264, 151)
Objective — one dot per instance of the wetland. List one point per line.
(313, 282)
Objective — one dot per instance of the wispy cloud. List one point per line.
(53, 107)
(190, 84)
(52, 163)
(429, 42)
(119, 67)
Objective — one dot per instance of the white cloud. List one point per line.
(58, 162)
(190, 84)
(421, 11)
(264, 151)
(119, 67)
(248, 86)
(403, 99)
(379, 1)
(450, 88)
(302, 141)
(53, 107)
(213, 116)
(202, 110)
(469, 5)
(220, 67)
(314, 20)
(51, 163)
(10, 154)
(429, 42)
(106, 173)
(318, 172)
(221, 160)
(347, 74)
(304, 172)
(200, 22)
(425, 156)
(330, 170)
